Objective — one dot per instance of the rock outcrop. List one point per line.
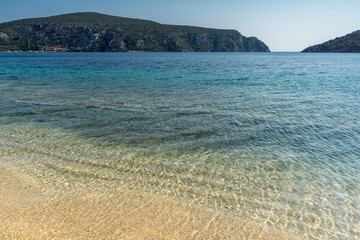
(346, 44)
(94, 32)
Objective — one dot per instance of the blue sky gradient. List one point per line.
(290, 25)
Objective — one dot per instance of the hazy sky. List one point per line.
(284, 25)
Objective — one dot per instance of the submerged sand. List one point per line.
(30, 210)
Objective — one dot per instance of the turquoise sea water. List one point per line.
(272, 137)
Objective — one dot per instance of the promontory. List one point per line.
(349, 43)
(95, 32)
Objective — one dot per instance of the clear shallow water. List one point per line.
(272, 137)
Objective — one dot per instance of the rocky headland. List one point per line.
(349, 43)
(95, 32)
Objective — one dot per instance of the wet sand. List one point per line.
(30, 210)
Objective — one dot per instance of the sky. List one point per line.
(284, 25)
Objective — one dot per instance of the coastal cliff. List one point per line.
(95, 32)
(346, 44)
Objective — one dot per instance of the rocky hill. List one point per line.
(95, 32)
(346, 44)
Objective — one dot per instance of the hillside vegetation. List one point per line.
(346, 44)
(95, 32)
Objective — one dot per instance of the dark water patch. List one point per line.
(199, 134)
(190, 113)
(93, 125)
(45, 111)
(42, 84)
(168, 138)
(12, 77)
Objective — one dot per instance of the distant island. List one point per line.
(346, 44)
(95, 32)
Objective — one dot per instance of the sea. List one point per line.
(271, 137)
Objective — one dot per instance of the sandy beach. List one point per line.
(30, 210)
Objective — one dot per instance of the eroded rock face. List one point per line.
(94, 32)
(346, 44)
(4, 36)
(256, 45)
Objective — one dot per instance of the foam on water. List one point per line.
(270, 137)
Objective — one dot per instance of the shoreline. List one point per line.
(31, 210)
